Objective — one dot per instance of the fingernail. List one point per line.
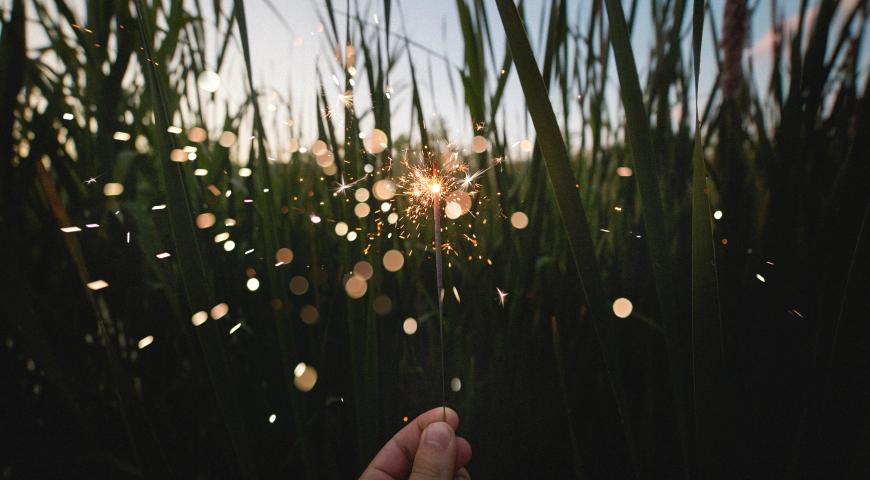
(437, 435)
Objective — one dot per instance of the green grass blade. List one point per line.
(568, 201)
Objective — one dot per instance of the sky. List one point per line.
(289, 43)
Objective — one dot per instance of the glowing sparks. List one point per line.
(501, 295)
(98, 285)
(760, 278)
(235, 328)
(146, 341)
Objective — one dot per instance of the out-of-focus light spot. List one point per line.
(121, 136)
(455, 384)
(92, 225)
(453, 210)
(526, 146)
(385, 207)
(272, 418)
(198, 318)
(405, 419)
(368, 168)
(200, 172)
(382, 305)
(355, 287)
(146, 341)
(253, 284)
(363, 269)
(284, 255)
(223, 236)
(178, 155)
(624, 171)
(351, 236)
(98, 285)
(245, 172)
(113, 189)
(70, 229)
(622, 307)
(341, 229)
(760, 278)
(197, 135)
(163, 255)
(375, 141)
(305, 378)
(717, 214)
(227, 139)
(479, 144)
(298, 285)
(461, 198)
(235, 328)
(229, 245)
(318, 148)
(361, 210)
(409, 326)
(361, 194)
(205, 220)
(330, 169)
(309, 314)
(174, 129)
(325, 160)
(392, 218)
(315, 219)
(384, 189)
(208, 81)
(230, 222)
(219, 310)
(519, 220)
(161, 206)
(68, 116)
(393, 260)
(456, 294)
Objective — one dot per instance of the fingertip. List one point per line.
(463, 452)
(438, 414)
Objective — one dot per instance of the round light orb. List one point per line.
(208, 81)
(341, 229)
(227, 139)
(382, 305)
(284, 255)
(253, 284)
(318, 148)
(197, 135)
(479, 144)
(622, 307)
(309, 314)
(384, 189)
(362, 210)
(409, 326)
(453, 210)
(306, 377)
(355, 287)
(393, 260)
(519, 220)
(298, 285)
(363, 269)
(375, 141)
(361, 194)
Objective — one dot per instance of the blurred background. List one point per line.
(211, 267)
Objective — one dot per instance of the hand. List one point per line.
(426, 449)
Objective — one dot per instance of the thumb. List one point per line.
(436, 455)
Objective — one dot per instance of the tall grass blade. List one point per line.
(568, 201)
(198, 288)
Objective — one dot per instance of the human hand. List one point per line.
(426, 449)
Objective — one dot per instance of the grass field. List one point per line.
(735, 227)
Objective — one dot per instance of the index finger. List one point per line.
(397, 456)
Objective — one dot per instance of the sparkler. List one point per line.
(427, 184)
